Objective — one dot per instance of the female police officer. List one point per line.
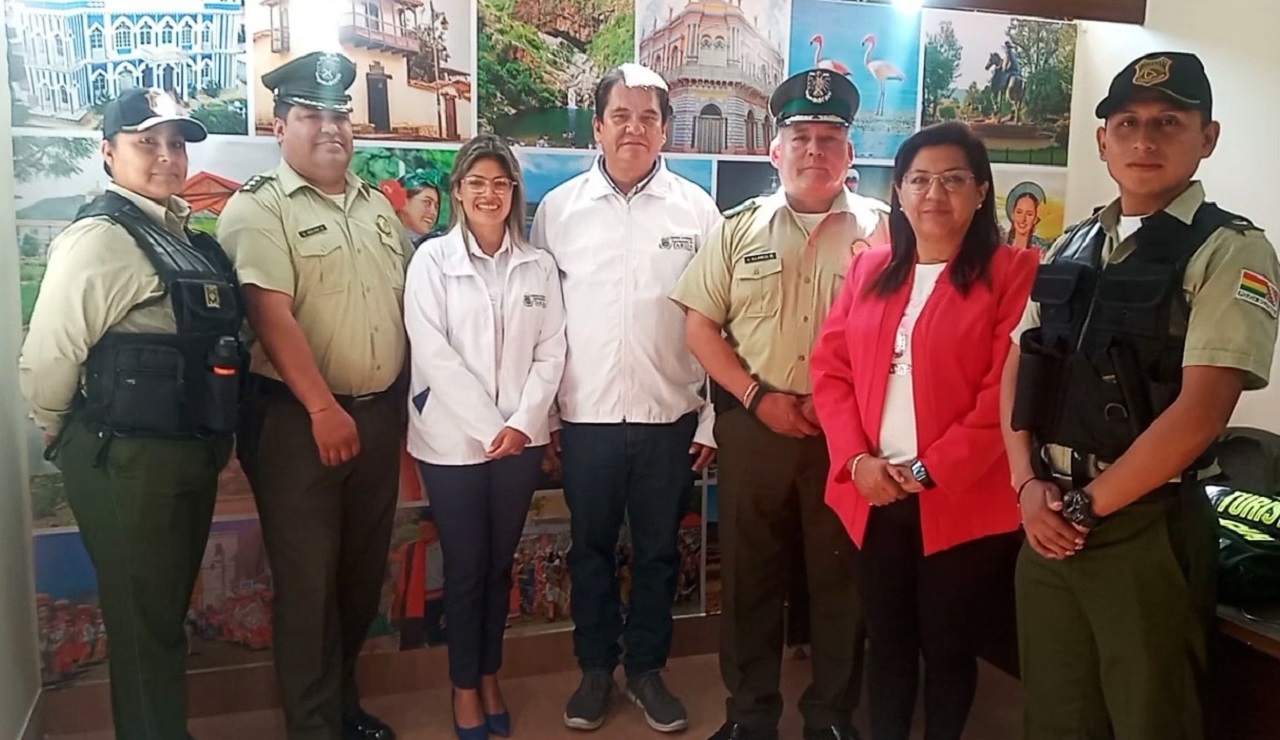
(131, 369)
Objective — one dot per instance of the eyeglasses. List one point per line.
(477, 185)
(952, 181)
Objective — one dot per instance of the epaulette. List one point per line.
(256, 182)
(1241, 225)
(747, 205)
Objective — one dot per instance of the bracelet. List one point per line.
(750, 393)
(1024, 485)
(853, 467)
(756, 399)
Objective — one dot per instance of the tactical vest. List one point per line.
(185, 384)
(1106, 359)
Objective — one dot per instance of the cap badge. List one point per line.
(160, 103)
(817, 86)
(1149, 72)
(328, 70)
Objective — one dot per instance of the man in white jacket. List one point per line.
(635, 420)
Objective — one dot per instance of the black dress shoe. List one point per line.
(834, 732)
(365, 726)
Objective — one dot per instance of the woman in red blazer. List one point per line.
(907, 388)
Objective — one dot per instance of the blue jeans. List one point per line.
(641, 472)
(480, 512)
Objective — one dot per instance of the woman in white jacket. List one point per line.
(486, 331)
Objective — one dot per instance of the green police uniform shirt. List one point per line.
(1231, 285)
(341, 258)
(97, 280)
(770, 282)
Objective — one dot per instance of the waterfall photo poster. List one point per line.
(539, 62)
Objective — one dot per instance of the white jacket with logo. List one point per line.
(619, 259)
(461, 396)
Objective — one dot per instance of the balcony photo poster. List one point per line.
(430, 74)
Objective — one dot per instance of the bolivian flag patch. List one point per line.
(1255, 288)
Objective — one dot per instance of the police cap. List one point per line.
(1175, 75)
(141, 108)
(815, 95)
(317, 80)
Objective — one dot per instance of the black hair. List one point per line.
(615, 77)
(973, 263)
(281, 110)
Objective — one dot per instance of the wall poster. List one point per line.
(431, 73)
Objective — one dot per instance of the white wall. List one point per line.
(19, 671)
(1237, 41)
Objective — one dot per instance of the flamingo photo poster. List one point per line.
(721, 61)
(878, 48)
(1009, 78)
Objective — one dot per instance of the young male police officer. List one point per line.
(322, 258)
(768, 276)
(1147, 322)
(131, 367)
(635, 420)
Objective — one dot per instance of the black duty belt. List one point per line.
(273, 388)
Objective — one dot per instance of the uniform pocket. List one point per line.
(759, 287)
(322, 266)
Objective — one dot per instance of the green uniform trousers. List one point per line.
(772, 510)
(1114, 639)
(144, 506)
(327, 531)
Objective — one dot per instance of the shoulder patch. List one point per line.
(743, 207)
(1255, 288)
(255, 183)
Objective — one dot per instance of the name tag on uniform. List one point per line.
(760, 257)
(682, 243)
(535, 300)
(313, 231)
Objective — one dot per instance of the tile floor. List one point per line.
(537, 703)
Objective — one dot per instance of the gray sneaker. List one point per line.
(662, 710)
(589, 704)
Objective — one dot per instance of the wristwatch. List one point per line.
(921, 474)
(1077, 508)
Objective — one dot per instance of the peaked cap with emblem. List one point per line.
(1175, 75)
(317, 80)
(815, 95)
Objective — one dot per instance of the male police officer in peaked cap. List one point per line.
(790, 248)
(1146, 323)
(131, 367)
(321, 255)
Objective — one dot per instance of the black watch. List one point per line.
(921, 474)
(1077, 508)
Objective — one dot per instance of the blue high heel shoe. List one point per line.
(469, 733)
(499, 724)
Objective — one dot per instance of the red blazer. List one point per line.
(959, 348)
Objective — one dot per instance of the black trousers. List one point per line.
(641, 472)
(934, 606)
(480, 511)
(327, 531)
